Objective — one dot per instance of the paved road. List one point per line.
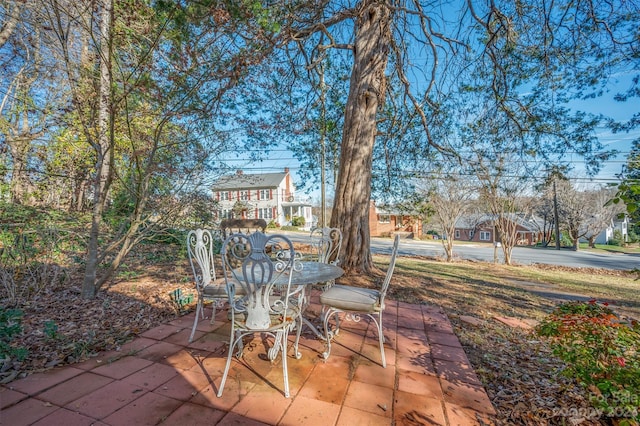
(520, 255)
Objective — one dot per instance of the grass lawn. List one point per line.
(516, 366)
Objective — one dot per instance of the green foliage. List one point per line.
(297, 221)
(273, 224)
(10, 326)
(600, 351)
(617, 239)
(51, 329)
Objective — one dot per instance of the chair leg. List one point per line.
(328, 334)
(195, 320)
(381, 339)
(297, 341)
(214, 302)
(285, 372)
(233, 339)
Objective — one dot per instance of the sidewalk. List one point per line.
(159, 378)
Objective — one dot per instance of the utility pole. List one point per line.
(555, 215)
(323, 130)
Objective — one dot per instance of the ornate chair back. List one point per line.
(327, 243)
(201, 248)
(260, 267)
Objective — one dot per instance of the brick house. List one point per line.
(481, 228)
(384, 222)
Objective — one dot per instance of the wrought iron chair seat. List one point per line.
(356, 301)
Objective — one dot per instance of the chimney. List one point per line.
(238, 172)
(286, 170)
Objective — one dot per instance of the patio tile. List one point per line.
(106, 400)
(184, 321)
(354, 417)
(374, 374)
(194, 415)
(185, 359)
(26, 412)
(447, 339)
(184, 385)
(74, 388)
(448, 353)
(209, 342)
(420, 363)
(411, 322)
(152, 376)
(263, 404)
(150, 409)
(420, 384)
(404, 306)
(239, 383)
(411, 343)
(456, 372)
(370, 398)
(463, 416)
(9, 397)
(65, 417)
(412, 409)
(371, 353)
(136, 345)
(438, 325)
(467, 396)
(182, 337)
(101, 359)
(307, 411)
(161, 332)
(159, 351)
(122, 367)
(36, 383)
(233, 419)
(325, 385)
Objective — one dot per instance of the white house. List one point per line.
(621, 225)
(269, 196)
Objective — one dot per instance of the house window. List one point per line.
(266, 213)
(385, 218)
(485, 236)
(264, 194)
(471, 233)
(244, 195)
(224, 195)
(457, 233)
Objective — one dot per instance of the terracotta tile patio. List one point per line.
(161, 379)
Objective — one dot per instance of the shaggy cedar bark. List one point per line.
(366, 94)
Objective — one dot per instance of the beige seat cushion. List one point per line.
(349, 298)
(218, 289)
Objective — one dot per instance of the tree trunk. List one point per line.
(104, 153)
(366, 94)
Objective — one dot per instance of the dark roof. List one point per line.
(249, 181)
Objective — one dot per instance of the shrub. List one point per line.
(10, 325)
(601, 352)
(297, 221)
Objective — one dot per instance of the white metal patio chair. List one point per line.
(254, 266)
(326, 243)
(357, 301)
(200, 247)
